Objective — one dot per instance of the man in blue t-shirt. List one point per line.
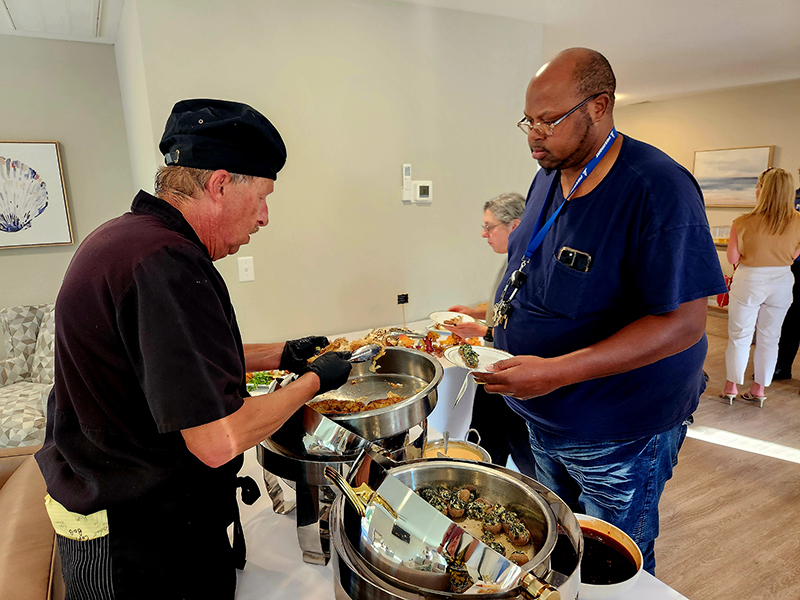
(608, 328)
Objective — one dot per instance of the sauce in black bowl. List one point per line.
(605, 560)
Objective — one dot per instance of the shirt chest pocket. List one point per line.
(565, 291)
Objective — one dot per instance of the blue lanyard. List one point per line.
(540, 231)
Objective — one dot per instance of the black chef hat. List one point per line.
(218, 134)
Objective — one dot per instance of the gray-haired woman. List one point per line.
(503, 432)
(501, 216)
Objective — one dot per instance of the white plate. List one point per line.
(486, 357)
(443, 315)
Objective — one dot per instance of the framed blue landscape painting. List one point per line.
(728, 177)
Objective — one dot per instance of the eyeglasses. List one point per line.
(488, 228)
(545, 128)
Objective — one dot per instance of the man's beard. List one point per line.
(578, 156)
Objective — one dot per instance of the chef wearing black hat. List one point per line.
(149, 414)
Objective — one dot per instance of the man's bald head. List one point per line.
(587, 70)
(574, 91)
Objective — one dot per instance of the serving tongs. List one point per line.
(365, 353)
(414, 335)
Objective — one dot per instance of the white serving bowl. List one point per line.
(589, 591)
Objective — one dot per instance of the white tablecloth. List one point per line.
(275, 567)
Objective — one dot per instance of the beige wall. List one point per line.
(67, 92)
(135, 104)
(764, 115)
(356, 88)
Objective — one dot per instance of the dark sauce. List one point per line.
(605, 561)
(563, 559)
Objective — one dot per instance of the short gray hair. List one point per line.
(506, 207)
(182, 183)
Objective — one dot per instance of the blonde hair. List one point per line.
(182, 183)
(776, 200)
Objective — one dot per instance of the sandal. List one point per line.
(747, 396)
(728, 396)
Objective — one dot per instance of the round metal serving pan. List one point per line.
(495, 487)
(358, 578)
(417, 373)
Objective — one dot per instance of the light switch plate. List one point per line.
(246, 269)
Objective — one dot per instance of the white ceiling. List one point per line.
(74, 20)
(665, 48)
(658, 48)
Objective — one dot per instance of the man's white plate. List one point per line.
(486, 356)
(443, 315)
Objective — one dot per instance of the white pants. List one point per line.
(759, 299)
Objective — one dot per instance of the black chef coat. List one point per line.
(146, 344)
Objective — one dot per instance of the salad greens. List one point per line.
(259, 378)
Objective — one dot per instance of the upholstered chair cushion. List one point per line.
(20, 329)
(44, 355)
(26, 375)
(12, 370)
(22, 419)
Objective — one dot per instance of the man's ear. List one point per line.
(216, 184)
(601, 106)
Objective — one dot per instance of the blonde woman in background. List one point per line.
(764, 243)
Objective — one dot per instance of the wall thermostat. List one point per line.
(423, 192)
(408, 192)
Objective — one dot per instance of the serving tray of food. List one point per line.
(387, 397)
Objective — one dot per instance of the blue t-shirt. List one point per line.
(646, 231)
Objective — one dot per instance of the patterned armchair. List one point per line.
(26, 374)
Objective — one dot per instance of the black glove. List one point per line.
(332, 369)
(297, 352)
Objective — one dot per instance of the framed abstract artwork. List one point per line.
(33, 200)
(728, 177)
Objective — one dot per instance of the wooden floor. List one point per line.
(730, 519)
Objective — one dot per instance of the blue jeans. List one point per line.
(620, 481)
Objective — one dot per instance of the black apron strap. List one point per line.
(250, 493)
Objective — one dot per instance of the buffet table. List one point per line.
(275, 567)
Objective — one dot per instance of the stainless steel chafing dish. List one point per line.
(374, 562)
(415, 372)
(300, 457)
